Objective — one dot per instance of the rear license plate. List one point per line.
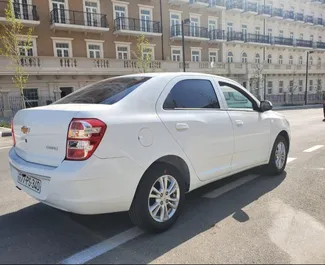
(30, 182)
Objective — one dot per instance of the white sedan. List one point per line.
(139, 142)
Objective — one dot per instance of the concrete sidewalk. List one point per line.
(4, 132)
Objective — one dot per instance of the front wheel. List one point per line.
(159, 199)
(278, 159)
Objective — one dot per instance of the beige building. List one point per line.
(262, 44)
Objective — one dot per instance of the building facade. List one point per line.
(262, 44)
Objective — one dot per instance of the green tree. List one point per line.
(143, 57)
(11, 43)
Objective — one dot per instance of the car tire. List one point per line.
(278, 158)
(140, 209)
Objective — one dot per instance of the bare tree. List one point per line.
(143, 54)
(11, 43)
(257, 80)
(294, 83)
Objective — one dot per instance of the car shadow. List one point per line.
(41, 234)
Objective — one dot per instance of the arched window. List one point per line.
(319, 61)
(269, 58)
(230, 57)
(311, 60)
(244, 57)
(280, 59)
(301, 61)
(291, 59)
(257, 58)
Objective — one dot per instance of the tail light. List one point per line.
(13, 132)
(84, 136)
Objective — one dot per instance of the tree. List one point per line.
(294, 83)
(257, 79)
(143, 55)
(11, 47)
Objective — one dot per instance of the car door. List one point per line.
(251, 127)
(190, 110)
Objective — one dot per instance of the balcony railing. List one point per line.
(235, 5)
(134, 24)
(217, 34)
(299, 17)
(309, 19)
(283, 41)
(189, 31)
(257, 38)
(289, 15)
(199, 1)
(214, 3)
(65, 16)
(321, 45)
(319, 21)
(22, 11)
(265, 10)
(277, 12)
(235, 36)
(251, 7)
(304, 43)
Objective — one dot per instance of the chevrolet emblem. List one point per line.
(25, 130)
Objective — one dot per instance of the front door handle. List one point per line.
(239, 123)
(182, 127)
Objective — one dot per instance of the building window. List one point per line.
(312, 37)
(269, 87)
(291, 86)
(320, 38)
(145, 19)
(281, 33)
(280, 59)
(244, 57)
(194, 28)
(123, 50)
(31, 97)
(92, 11)
(175, 24)
(301, 61)
(280, 87)
(26, 49)
(269, 32)
(62, 49)
(311, 60)
(244, 30)
(229, 27)
(213, 56)
(300, 85)
(269, 58)
(120, 14)
(230, 57)
(95, 49)
(319, 61)
(301, 36)
(148, 53)
(212, 24)
(176, 54)
(311, 85)
(257, 58)
(291, 59)
(195, 55)
(257, 30)
(291, 35)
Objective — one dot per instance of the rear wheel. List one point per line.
(278, 159)
(159, 199)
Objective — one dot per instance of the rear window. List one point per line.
(107, 91)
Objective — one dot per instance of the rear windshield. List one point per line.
(107, 91)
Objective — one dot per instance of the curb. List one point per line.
(298, 107)
(5, 133)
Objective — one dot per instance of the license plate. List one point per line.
(30, 182)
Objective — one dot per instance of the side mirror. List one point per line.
(266, 105)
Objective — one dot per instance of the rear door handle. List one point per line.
(239, 123)
(182, 126)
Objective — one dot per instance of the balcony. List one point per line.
(289, 16)
(178, 2)
(320, 45)
(277, 14)
(215, 5)
(300, 18)
(282, 41)
(264, 11)
(309, 20)
(257, 39)
(319, 22)
(234, 7)
(134, 27)
(191, 33)
(27, 14)
(199, 3)
(217, 35)
(250, 9)
(235, 36)
(70, 20)
(304, 43)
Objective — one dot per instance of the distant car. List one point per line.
(139, 142)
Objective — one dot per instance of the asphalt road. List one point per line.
(243, 219)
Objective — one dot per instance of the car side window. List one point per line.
(234, 97)
(192, 94)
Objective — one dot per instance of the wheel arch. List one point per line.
(285, 135)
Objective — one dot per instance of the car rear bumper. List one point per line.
(94, 186)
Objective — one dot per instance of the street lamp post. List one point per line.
(307, 68)
(185, 21)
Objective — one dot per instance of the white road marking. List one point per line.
(6, 147)
(239, 182)
(313, 148)
(290, 159)
(103, 247)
